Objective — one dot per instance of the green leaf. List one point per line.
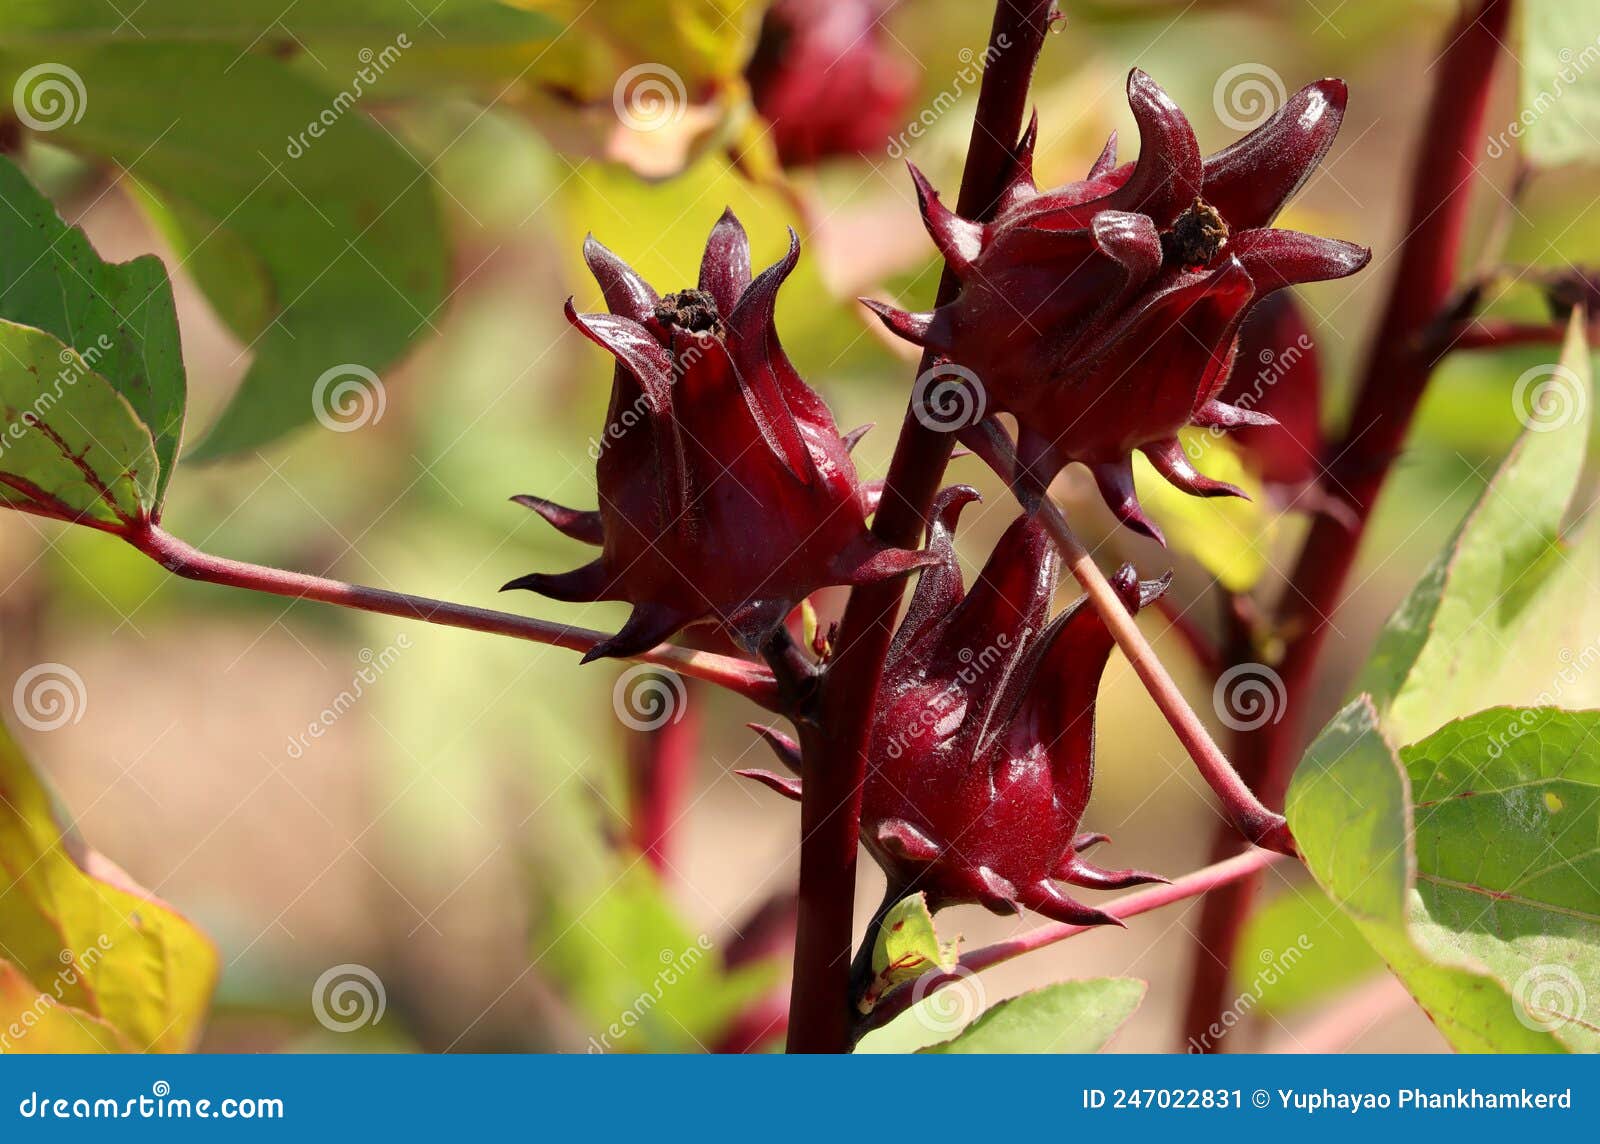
(907, 946)
(1069, 1017)
(1300, 950)
(346, 238)
(1507, 806)
(1350, 809)
(117, 316)
(252, 22)
(72, 447)
(1231, 537)
(1439, 656)
(644, 979)
(128, 971)
(1558, 112)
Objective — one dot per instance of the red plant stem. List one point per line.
(747, 679)
(1245, 812)
(1492, 334)
(1247, 865)
(660, 769)
(1397, 370)
(835, 747)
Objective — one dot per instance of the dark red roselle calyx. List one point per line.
(829, 79)
(982, 751)
(1276, 371)
(726, 493)
(1104, 314)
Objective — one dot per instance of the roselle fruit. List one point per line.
(1104, 314)
(726, 492)
(1277, 372)
(829, 79)
(982, 751)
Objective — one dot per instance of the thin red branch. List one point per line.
(1398, 367)
(1493, 334)
(660, 769)
(1245, 812)
(750, 680)
(1249, 864)
(835, 749)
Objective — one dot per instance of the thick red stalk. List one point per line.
(835, 748)
(660, 770)
(1397, 370)
(1250, 864)
(748, 679)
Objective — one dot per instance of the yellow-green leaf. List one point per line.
(907, 946)
(77, 930)
(1068, 1017)
(1351, 812)
(1230, 537)
(1440, 655)
(70, 445)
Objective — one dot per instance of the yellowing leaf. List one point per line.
(907, 946)
(35, 1022)
(1230, 537)
(111, 961)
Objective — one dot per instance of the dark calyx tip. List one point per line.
(693, 311)
(1196, 236)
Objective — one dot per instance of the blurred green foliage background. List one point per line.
(454, 829)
